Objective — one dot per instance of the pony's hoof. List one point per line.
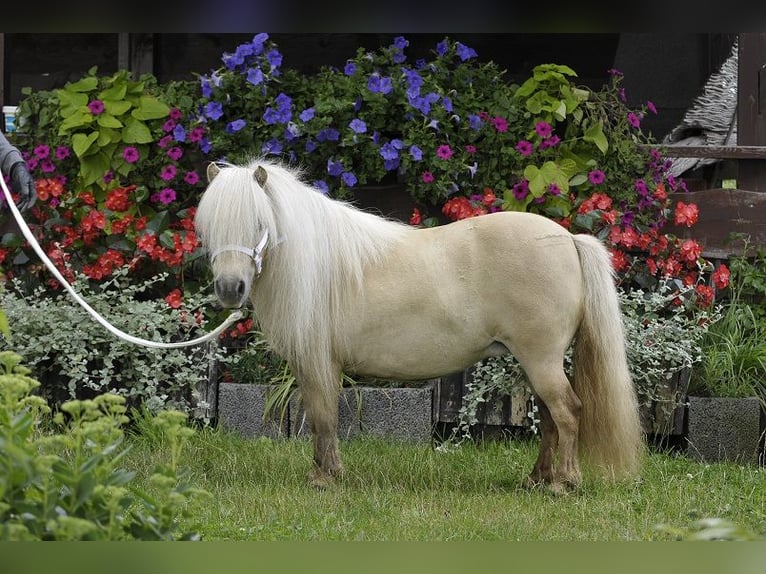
(321, 480)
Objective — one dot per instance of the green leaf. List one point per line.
(78, 119)
(150, 108)
(579, 179)
(135, 132)
(81, 143)
(94, 168)
(115, 92)
(5, 329)
(87, 84)
(117, 107)
(108, 121)
(159, 223)
(595, 134)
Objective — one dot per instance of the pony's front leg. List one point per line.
(321, 405)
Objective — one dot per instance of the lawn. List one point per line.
(398, 491)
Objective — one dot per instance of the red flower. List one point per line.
(690, 251)
(721, 277)
(686, 214)
(705, 295)
(416, 218)
(174, 298)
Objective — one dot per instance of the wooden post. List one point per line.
(751, 108)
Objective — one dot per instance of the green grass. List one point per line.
(410, 492)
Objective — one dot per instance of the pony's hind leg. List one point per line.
(557, 463)
(542, 472)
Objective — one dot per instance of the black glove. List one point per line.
(23, 185)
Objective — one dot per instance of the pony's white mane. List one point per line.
(315, 260)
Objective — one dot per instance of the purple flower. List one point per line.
(307, 114)
(42, 151)
(167, 195)
(311, 145)
(416, 153)
(596, 177)
(255, 76)
(554, 189)
(179, 133)
(47, 166)
(274, 58)
(357, 126)
(328, 134)
(175, 153)
(213, 110)
(334, 168)
(464, 52)
(205, 145)
(130, 154)
(348, 178)
(350, 69)
(96, 107)
(207, 87)
(388, 152)
(321, 186)
(235, 126)
(521, 190)
(376, 84)
(474, 122)
(191, 177)
(62, 152)
(168, 172)
(543, 129)
(524, 148)
(272, 146)
(442, 47)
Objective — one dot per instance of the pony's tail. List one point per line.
(611, 437)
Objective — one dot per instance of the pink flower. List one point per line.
(634, 120)
(168, 126)
(197, 134)
(501, 124)
(470, 149)
(428, 177)
(165, 141)
(175, 114)
(168, 172)
(62, 152)
(96, 107)
(42, 151)
(444, 151)
(191, 177)
(130, 154)
(167, 195)
(524, 148)
(596, 177)
(651, 107)
(175, 153)
(543, 129)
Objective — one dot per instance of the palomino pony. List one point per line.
(336, 289)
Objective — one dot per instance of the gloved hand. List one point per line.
(23, 185)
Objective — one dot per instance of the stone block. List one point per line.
(241, 407)
(725, 429)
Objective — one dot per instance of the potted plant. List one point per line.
(727, 392)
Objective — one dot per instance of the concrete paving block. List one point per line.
(401, 413)
(240, 409)
(722, 429)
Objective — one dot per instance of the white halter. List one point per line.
(256, 253)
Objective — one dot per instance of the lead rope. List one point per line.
(233, 317)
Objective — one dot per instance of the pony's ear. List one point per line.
(212, 171)
(260, 175)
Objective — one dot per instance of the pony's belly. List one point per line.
(420, 358)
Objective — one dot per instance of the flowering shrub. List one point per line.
(380, 117)
(118, 179)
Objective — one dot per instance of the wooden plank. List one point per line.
(751, 107)
(721, 213)
(714, 151)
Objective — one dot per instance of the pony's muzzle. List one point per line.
(231, 292)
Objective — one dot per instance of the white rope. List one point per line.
(233, 317)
